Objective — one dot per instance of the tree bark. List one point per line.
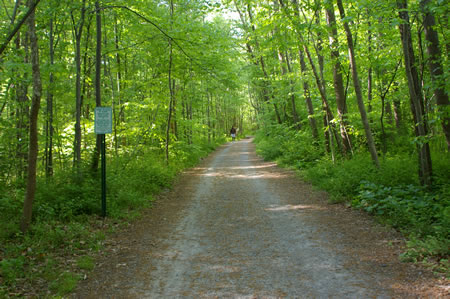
(22, 109)
(78, 30)
(370, 70)
(171, 90)
(436, 68)
(98, 74)
(357, 86)
(49, 130)
(268, 93)
(34, 113)
(295, 116)
(415, 95)
(337, 78)
(307, 95)
(328, 115)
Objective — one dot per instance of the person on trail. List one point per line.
(233, 133)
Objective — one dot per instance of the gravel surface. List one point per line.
(239, 227)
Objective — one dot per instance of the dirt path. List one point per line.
(239, 227)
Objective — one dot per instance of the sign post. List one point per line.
(103, 125)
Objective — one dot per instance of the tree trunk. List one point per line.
(370, 70)
(436, 69)
(337, 78)
(78, 29)
(328, 115)
(22, 110)
(357, 86)
(49, 130)
(171, 90)
(98, 74)
(307, 95)
(295, 117)
(415, 94)
(397, 114)
(268, 93)
(35, 105)
(208, 114)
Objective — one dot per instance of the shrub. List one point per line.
(422, 215)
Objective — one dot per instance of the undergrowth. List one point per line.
(67, 230)
(391, 193)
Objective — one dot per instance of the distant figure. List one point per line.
(233, 133)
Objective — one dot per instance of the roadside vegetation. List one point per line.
(68, 230)
(391, 193)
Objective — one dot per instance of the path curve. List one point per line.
(239, 227)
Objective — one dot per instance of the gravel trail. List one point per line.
(239, 227)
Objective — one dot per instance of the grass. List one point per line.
(86, 263)
(65, 283)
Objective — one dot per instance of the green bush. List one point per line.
(12, 269)
(288, 146)
(341, 179)
(66, 196)
(423, 216)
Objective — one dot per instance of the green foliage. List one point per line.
(406, 207)
(65, 196)
(11, 269)
(288, 146)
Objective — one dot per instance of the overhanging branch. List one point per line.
(18, 26)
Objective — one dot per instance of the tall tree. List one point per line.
(415, 96)
(337, 77)
(35, 105)
(77, 28)
(436, 68)
(49, 128)
(171, 86)
(330, 132)
(357, 86)
(307, 96)
(98, 75)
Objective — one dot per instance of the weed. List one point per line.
(65, 283)
(86, 263)
(12, 269)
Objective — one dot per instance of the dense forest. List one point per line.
(353, 94)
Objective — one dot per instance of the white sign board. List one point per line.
(103, 120)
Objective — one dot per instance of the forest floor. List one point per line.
(239, 227)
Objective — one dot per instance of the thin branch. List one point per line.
(7, 13)
(18, 26)
(392, 79)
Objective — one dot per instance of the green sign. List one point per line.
(103, 120)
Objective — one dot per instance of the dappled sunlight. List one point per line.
(261, 171)
(246, 160)
(257, 175)
(294, 207)
(252, 167)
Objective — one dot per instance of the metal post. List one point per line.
(103, 152)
